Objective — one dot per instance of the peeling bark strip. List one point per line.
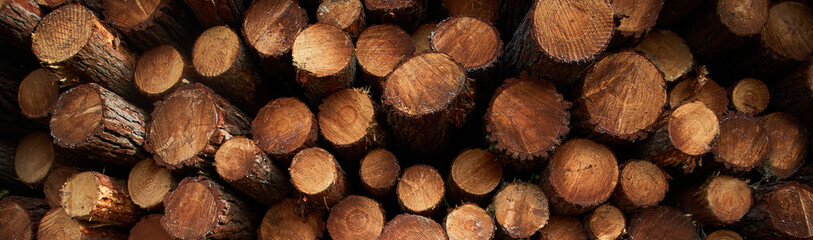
(20, 217)
(521, 209)
(160, 71)
(723, 25)
(242, 164)
(787, 145)
(721, 200)
(149, 23)
(349, 121)
(324, 60)
(743, 143)
(347, 15)
(18, 18)
(558, 39)
(379, 50)
(202, 208)
(212, 13)
(98, 198)
(148, 183)
(661, 222)
(56, 224)
(404, 13)
(149, 228)
(270, 28)
(669, 53)
(682, 137)
(37, 94)
(605, 223)
(285, 220)
(316, 174)
(356, 217)
(563, 227)
(408, 226)
(72, 41)
(379, 172)
(581, 175)
(284, 127)
(420, 190)
(641, 184)
(749, 96)
(781, 211)
(93, 121)
(469, 222)
(474, 174)
(189, 125)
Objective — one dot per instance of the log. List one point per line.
(669, 53)
(149, 228)
(487, 10)
(18, 19)
(469, 221)
(317, 175)
(356, 217)
(34, 158)
(147, 24)
(37, 94)
(743, 143)
(15, 125)
(581, 175)
(347, 15)
(723, 25)
(284, 127)
(91, 120)
(787, 143)
(427, 97)
(349, 121)
(56, 224)
(724, 235)
(641, 184)
(749, 96)
(780, 212)
(189, 125)
(223, 64)
(421, 37)
(673, 13)
(98, 198)
(605, 223)
(407, 14)
(160, 70)
(218, 12)
(559, 39)
(524, 142)
(285, 221)
(91, 51)
(20, 217)
(270, 27)
(420, 190)
(52, 186)
(474, 174)
(8, 177)
(638, 18)
(721, 200)
(148, 183)
(242, 164)
(324, 60)
(379, 50)
(409, 226)
(623, 95)
(475, 44)
(682, 137)
(379, 172)
(203, 208)
(563, 227)
(661, 222)
(700, 88)
(520, 209)
(794, 94)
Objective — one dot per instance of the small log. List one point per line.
(669, 53)
(317, 175)
(95, 197)
(743, 143)
(794, 94)
(474, 174)
(563, 227)
(641, 184)
(524, 142)
(700, 88)
(786, 143)
(420, 190)
(284, 127)
(160, 71)
(682, 137)
(148, 183)
(723, 25)
(521, 209)
(285, 220)
(469, 221)
(324, 60)
(749, 96)
(37, 94)
(724, 235)
(242, 164)
(427, 97)
(605, 223)
(20, 217)
(558, 39)
(56, 224)
(52, 186)
(780, 212)
(623, 95)
(149, 228)
(202, 208)
(661, 222)
(409, 226)
(379, 172)
(638, 18)
(379, 50)
(270, 28)
(149, 23)
(407, 14)
(349, 121)
(488, 10)
(472, 42)
(356, 217)
(421, 37)
(8, 177)
(15, 125)
(34, 158)
(18, 19)
(581, 175)
(223, 64)
(218, 12)
(91, 51)
(92, 120)
(721, 200)
(347, 15)
(201, 118)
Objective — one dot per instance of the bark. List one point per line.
(147, 24)
(420, 190)
(18, 19)
(98, 198)
(242, 164)
(21, 217)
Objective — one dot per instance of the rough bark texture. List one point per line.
(721, 200)
(18, 18)
(218, 12)
(20, 217)
(56, 224)
(150, 23)
(404, 13)
(98, 198)
(242, 164)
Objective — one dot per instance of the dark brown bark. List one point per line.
(474, 174)
(406, 226)
(420, 190)
(682, 137)
(151, 23)
(581, 175)
(284, 127)
(317, 176)
(407, 14)
(218, 12)
(794, 94)
(721, 200)
(148, 183)
(20, 217)
(241, 163)
(356, 217)
(18, 18)
(56, 224)
(98, 198)
(350, 122)
(723, 25)
(149, 228)
(661, 222)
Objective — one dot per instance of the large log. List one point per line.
(743, 143)
(285, 220)
(56, 224)
(408, 226)
(476, 45)
(780, 212)
(463, 186)
(356, 217)
(284, 127)
(270, 27)
(324, 60)
(350, 122)
(148, 184)
(316, 174)
(721, 200)
(20, 217)
(420, 190)
(581, 175)
(520, 209)
(149, 23)
(241, 163)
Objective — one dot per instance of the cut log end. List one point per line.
(743, 143)
(786, 207)
(56, 224)
(191, 211)
(789, 30)
(379, 172)
(469, 221)
(346, 116)
(317, 174)
(235, 158)
(728, 198)
(283, 127)
(423, 84)
(724, 235)
(787, 144)
(37, 93)
(346, 15)
(583, 172)
(92, 196)
(743, 18)
(149, 228)
(159, 71)
(20, 216)
(421, 36)
(284, 221)
(641, 184)
(259, 22)
(472, 42)
(605, 223)
(408, 226)
(216, 51)
(701, 89)
(77, 116)
(521, 209)
(563, 227)
(669, 53)
(356, 217)
(750, 96)
(661, 223)
(148, 183)
(187, 113)
(692, 128)
(381, 47)
(129, 14)
(474, 162)
(322, 50)
(34, 158)
(63, 32)
(420, 190)
(52, 185)
(572, 31)
(640, 16)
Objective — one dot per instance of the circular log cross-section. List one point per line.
(56, 224)
(159, 71)
(474, 174)
(409, 226)
(92, 196)
(245, 166)
(34, 158)
(669, 53)
(564, 228)
(787, 211)
(641, 184)
(356, 217)
(94, 121)
(469, 221)
(702, 89)
(622, 96)
(472, 42)
(640, 16)
(526, 120)
(148, 183)
(724, 235)
(149, 23)
(284, 127)
(721, 200)
(787, 144)
(750, 96)
(283, 221)
(379, 172)
(724, 25)
(201, 208)
(743, 143)
(789, 19)
(316, 174)
(324, 59)
(52, 186)
(270, 28)
(20, 217)
(149, 228)
(348, 121)
(379, 49)
(37, 93)
(521, 209)
(581, 175)
(347, 15)
(420, 190)
(662, 223)
(605, 223)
